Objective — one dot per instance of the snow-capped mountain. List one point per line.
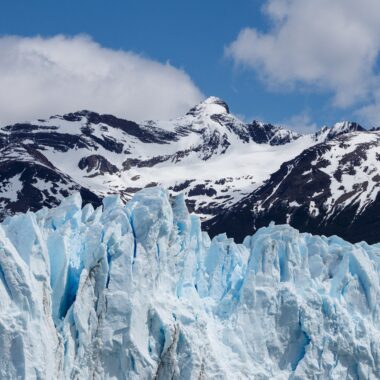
(330, 188)
(223, 165)
(137, 291)
(209, 154)
(338, 129)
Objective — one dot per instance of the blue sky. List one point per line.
(193, 36)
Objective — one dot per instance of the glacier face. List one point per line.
(138, 291)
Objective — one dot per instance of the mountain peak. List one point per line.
(345, 127)
(210, 106)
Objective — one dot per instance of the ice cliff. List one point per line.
(139, 292)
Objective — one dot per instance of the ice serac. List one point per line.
(138, 291)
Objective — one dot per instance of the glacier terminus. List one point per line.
(138, 291)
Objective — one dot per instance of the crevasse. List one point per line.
(138, 291)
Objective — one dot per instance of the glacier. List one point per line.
(138, 291)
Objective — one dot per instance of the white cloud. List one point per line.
(44, 76)
(301, 123)
(329, 45)
(370, 112)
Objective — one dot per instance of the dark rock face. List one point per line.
(182, 186)
(135, 162)
(97, 163)
(33, 183)
(131, 128)
(202, 190)
(270, 134)
(314, 193)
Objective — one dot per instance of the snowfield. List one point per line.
(236, 176)
(137, 291)
(209, 154)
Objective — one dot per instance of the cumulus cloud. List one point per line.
(327, 45)
(44, 76)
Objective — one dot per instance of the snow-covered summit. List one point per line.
(345, 127)
(210, 106)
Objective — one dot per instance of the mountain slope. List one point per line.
(231, 172)
(28, 181)
(209, 154)
(330, 188)
(139, 292)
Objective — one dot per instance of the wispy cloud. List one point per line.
(44, 76)
(301, 123)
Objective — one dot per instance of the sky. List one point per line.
(299, 63)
